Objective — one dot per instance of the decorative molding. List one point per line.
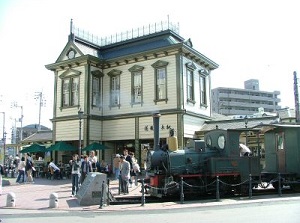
(114, 72)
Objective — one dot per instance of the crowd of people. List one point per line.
(125, 169)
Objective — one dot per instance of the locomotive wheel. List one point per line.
(295, 187)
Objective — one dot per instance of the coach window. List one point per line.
(115, 76)
(221, 141)
(190, 67)
(280, 141)
(160, 71)
(70, 88)
(136, 84)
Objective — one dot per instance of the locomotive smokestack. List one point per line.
(156, 117)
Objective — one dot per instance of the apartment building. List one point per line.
(247, 101)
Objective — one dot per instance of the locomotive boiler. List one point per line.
(199, 164)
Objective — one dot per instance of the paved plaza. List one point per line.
(35, 196)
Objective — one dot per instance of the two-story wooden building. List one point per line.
(120, 81)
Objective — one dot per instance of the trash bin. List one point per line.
(53, 202)
(11, 199)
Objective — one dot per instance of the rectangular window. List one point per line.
(190, 85)
(137, 87)
(115, 90)
(66, 93)
(280, 141)
(70, 91)
(161, 83)
(75, 91)
(203, 93)
(96, 99)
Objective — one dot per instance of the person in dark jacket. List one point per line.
(86, 168)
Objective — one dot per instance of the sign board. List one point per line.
(91, 189)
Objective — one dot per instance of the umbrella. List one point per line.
(95, 146)
(61, 146)
(34, 148)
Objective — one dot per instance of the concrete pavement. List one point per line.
(35, 197)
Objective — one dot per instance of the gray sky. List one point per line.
(248, 39)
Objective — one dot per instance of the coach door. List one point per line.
(280, 144)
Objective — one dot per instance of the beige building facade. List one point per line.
(119, 83)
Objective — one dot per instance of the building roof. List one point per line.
(236, 124)
(40, 136)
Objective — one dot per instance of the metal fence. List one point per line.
(130, 34)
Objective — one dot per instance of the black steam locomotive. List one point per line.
(199, 164)
(220, 156)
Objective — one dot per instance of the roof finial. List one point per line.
(71, 26)
(71, 36)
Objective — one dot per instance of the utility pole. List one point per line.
(39, 97)
(15, 105)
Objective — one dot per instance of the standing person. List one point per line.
(129, 160)
(75, 171)
(86, 168)
(28, 168)
(135, 169)
(94, 160)
(116, 167)
(21, 170)
(125, 174)
(1, 173)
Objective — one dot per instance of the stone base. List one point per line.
(91, 190)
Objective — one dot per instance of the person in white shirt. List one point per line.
(94, 160)
(56, 170)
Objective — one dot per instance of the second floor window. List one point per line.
(203, 93)
(190, 85)
(96, 92)
(136, 84)
(137, 87)
(160, 80)
(115, 91)
(70, 95)
(115, 77)
(161, 83)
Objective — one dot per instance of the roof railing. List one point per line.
(123, 36)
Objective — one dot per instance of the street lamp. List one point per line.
(80, 116)
(246, 126)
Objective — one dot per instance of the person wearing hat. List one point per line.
(116, 166)
(125, 174)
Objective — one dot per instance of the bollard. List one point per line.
(181, 191)
(119, 188)
(102, 196)
(279, 185)
(250, 186)
(11, 200)
(218, 189)
(108, 198)
(53, 200)
(143, 193)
